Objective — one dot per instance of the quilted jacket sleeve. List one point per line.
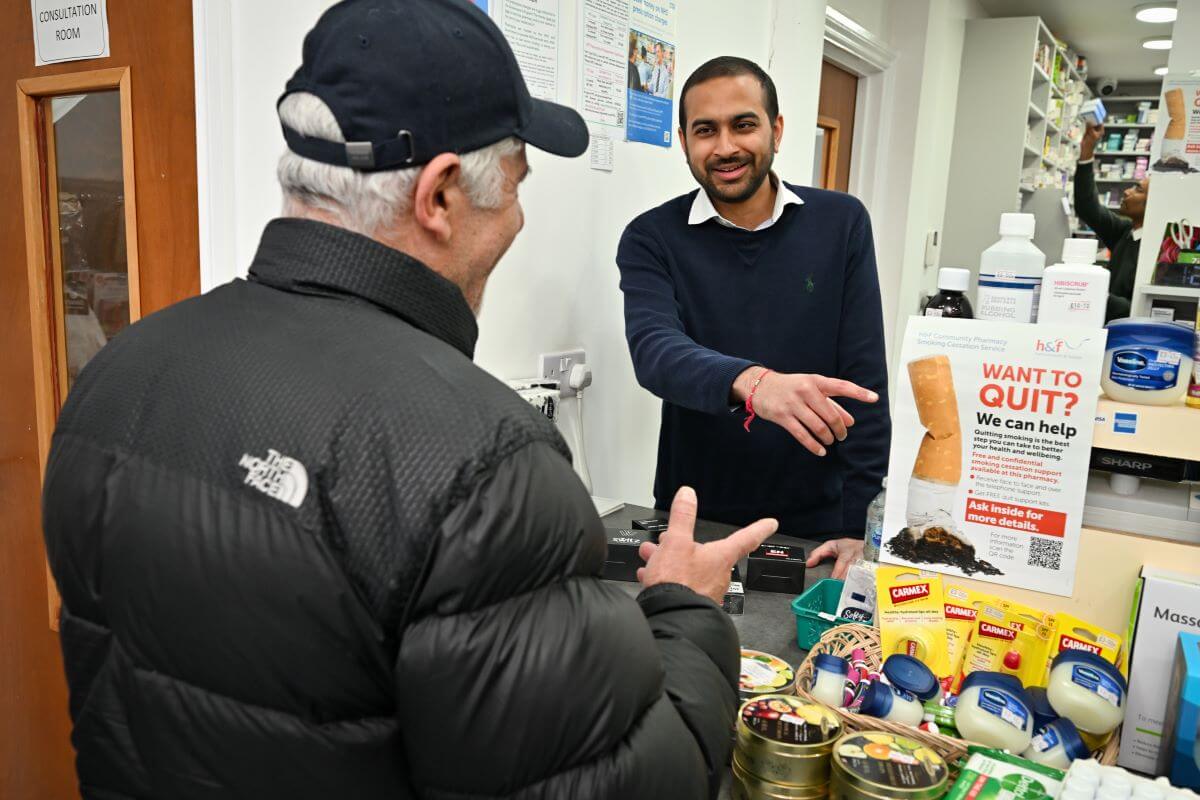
(522, 674)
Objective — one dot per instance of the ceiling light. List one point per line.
(1156, 12)
(1160, 70)
(1157, 43)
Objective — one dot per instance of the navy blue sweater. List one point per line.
(704, 302)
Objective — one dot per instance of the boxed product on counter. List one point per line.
(1180, 750)
(1165, 604)
(997, 775)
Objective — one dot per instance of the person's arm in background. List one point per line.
(1109, 227)
(674, 367)
(862, 360)
(667, 361)
(863, 456)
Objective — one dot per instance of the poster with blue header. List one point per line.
(650, 88)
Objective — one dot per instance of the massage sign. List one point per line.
(992, 432)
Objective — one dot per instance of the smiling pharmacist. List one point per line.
(750, 304)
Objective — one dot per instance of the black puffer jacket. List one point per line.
(307, 549)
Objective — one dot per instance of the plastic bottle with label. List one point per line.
(1075, 292)
(1010, 273)
(951, 300)
(873, 537)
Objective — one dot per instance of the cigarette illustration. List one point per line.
(931, 535)
(1172, 157)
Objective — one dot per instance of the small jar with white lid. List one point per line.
(829, 680)
(895, 705)
(994, 710)
(1087, 690)
(1057, 745)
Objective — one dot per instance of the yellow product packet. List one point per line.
(911, 615)
(961, 606)
(1008, 639)
(1073, 633)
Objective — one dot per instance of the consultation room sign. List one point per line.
(69, 31)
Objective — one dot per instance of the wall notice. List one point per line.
(603, 63)
(1176, 143)
(531, 27)
(991, 441)
(64, 31)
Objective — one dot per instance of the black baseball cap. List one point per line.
(409, 79)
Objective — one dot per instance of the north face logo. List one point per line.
(278, 476)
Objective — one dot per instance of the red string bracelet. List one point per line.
(750, 414)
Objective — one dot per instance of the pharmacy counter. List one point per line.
(767, 623)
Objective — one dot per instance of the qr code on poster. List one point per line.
(1045, 553)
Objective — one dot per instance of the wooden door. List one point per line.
(835, 121)
(98, 220)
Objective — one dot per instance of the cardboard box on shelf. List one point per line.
(1165, 604)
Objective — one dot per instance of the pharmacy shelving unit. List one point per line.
(1016, 130)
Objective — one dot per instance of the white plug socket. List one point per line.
(557, 367)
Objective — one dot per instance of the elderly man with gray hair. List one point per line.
(307, 549)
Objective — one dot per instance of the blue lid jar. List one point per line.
(877, 701)
(995, 680)
(1062, 731)
(1094, 661)
(910, 674)
(1156, 333)
(1043, 712)
(831, 663)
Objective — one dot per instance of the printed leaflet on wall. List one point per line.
(1176, 143)
(991, 440)
(650, 82)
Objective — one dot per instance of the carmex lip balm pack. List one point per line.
(912, 619)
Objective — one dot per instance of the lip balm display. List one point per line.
(829, 680)
(994, 710)
(1087, 690)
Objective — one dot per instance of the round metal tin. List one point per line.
(763, 673)
(784, 739)
(876, 765)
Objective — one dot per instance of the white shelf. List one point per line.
(1130, 124)
(1117, 180)
(1032, 152)
(1053, 127)
(1036, 112)
(1108, 100)
(1027, 188)
(1038, 72)
(1122, 153)
(1057, 92)
(1169, 291)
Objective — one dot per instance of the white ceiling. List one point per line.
(1103, 30)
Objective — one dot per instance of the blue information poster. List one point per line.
(484, 5)
(650, 89)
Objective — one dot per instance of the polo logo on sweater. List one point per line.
(809, 286)
(278, 476)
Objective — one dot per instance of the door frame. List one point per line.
(858, 51)
(39, 193)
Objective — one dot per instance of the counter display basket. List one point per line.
(842, 641)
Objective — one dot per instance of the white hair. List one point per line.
(366, 201)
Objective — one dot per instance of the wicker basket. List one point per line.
(842, 641)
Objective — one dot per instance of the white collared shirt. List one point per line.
(703, 209)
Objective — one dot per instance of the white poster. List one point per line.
(650, 90)
(600, 149)
(531, 27)
(66, 31)
(604, 61)
(1176, 144)
(991, 440)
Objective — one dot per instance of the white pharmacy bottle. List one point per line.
(1010, 273)
(1075, 292)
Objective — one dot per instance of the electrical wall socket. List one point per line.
(557, 367)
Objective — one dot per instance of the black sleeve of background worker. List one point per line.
(862, 359)
(1109, 227)
(546, 686)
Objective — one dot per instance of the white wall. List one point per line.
(870, 14)
(557, 287)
